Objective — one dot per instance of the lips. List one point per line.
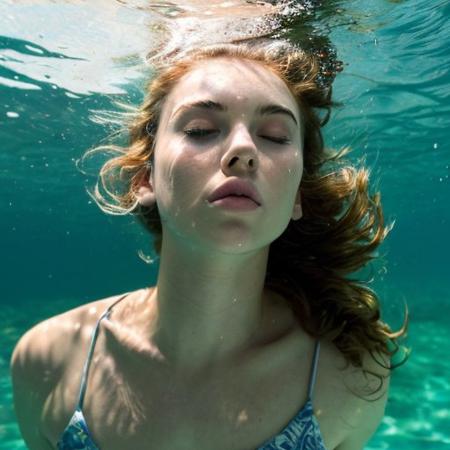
(236, 187)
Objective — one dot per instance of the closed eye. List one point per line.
(199, 133)
(281, 140)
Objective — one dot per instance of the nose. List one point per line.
(242, 154)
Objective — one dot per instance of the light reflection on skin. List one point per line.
(242, 417)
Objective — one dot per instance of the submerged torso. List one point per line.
(132, 402)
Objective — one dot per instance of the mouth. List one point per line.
(236, 196)
(236, 202)
(238, 189)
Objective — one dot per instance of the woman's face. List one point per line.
(198, 148)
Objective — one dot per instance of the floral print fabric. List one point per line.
(302, 433)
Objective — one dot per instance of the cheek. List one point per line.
(289, 171)
(182, 180)
(285, 181)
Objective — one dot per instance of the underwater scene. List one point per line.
(65, 65)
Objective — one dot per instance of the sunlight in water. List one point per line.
(64, 63)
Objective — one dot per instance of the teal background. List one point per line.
(59, 250)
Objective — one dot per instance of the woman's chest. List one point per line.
(239, 411)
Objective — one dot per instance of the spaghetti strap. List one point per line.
(302, 431)
(87, 363)
(312, 379)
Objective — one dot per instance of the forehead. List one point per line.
(231, 78)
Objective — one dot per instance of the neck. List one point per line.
(207, 306)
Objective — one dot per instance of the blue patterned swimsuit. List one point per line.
(301, 433)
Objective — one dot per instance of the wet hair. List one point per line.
(310, 263)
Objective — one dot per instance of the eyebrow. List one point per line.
(214, 106)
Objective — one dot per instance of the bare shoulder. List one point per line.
(43, 349)
(367, 391)
(40, 359)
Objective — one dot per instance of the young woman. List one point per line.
(255, 336)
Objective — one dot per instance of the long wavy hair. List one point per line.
(310, 263)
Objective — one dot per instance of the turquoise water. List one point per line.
(59, 63)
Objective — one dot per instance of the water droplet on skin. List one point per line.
(243, 417)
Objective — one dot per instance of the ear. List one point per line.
(297, 211)
(145, 194)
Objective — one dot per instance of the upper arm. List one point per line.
(372, 408)
(33, 376)
(38, 363)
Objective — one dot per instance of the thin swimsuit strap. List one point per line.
(87, 364)
(107, 313)
(302, 431)
(312, 379)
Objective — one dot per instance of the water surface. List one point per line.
(62, 62)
